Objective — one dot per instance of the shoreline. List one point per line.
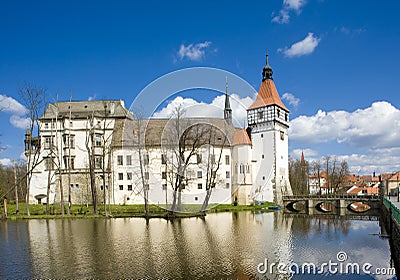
(38, 211)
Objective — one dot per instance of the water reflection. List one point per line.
(224, 245)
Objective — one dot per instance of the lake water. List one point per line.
(242, 245)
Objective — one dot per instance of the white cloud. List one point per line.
(375, 127)
(303, 47)
(194, 108)
(194, 52)
(10, 105)
(287, 6)
(20, 122)
(17, 111)
(294, 101)
(5, 162)
(308, 153)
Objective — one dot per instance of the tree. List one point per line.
(90, 147)
(180, 145)
(216, 140)
(33, 99)
(316, 167)
(298, 176)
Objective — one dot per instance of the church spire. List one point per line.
(267, 70)
(227, 109)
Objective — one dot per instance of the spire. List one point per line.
(302, 158)
(267, 70)
(227, 109)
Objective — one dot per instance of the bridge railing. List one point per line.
(329, 196)
(395, 209)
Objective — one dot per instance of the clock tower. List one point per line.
(268, 120)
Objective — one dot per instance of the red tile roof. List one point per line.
(240, 137)
(267, 95)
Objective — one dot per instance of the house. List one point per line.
(100, 143)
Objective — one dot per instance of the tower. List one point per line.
(227, 109)
(268, 119)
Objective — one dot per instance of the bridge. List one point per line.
(338, 204)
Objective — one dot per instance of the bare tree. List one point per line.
(180, 144)
(216, 140)
(298, 176)
(33, 100)
(90, 147)
(316, 167)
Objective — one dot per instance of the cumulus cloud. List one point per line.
(375, 127)
(17, 111)
(214, 109)
(287, 7)
(20, 122)
(10, 105)
(294, 101)
(194, 52)
(303, 47)
(5, 162)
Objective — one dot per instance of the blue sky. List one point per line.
(335, 62)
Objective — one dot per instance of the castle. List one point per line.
(128, 157)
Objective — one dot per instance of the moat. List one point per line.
(222, 245)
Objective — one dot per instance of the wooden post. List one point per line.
(5, 208)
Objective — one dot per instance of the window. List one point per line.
(164, 187)
(146, 187)
(70, 143)
(163, 159)
(262, 135)
(247, 168)
(49, 164)
(69, 163)
(198, 158)
(98, 162)
(120, 160)
(129, 187)
(70, 124)
(227, 160)
(129, 176)
(77, 186)
(164, 175)
(241, 171)
(121, 187)
(46, 125)
(213, 159)
(282, 135)
(228, 174)
(213, 174)
(146, 175)
(227, 185)
(120, 176)
(196, 198)
(128, 160)
(260, 115)
(48, 142)
(146, 159)
(97, 140)
(199, 174)
(262, 156)
(199, 186)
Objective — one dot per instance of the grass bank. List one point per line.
(38, 211)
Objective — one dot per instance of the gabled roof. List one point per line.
(267, 95)
(157, 132)
(83, 109)
(240, 137)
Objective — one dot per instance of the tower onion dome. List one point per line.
(267, 70)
